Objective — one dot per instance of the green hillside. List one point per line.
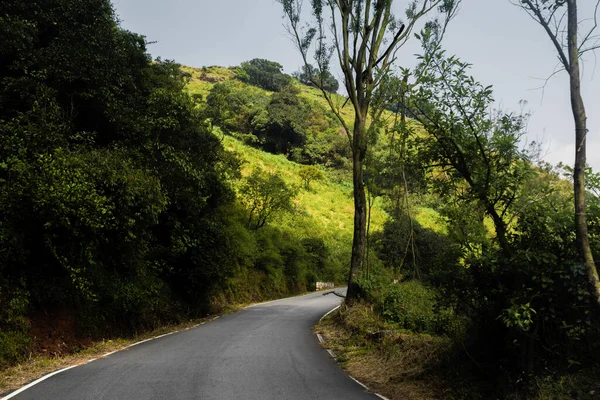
(326, 210)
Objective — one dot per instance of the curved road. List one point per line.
(266, 351)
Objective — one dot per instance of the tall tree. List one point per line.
(466, 145)
(365, 36)
(560, 20)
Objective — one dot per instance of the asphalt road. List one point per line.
(267, 351)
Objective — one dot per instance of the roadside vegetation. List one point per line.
(123, 208)
(137, 194)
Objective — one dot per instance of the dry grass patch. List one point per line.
(398, 365)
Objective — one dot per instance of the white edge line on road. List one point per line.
(359, 382)
(43, 378)
(322, 341)
(329, 312)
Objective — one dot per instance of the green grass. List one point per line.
(203, 79)
(327, 210)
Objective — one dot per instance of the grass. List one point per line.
(396, 364)
(325, 211)
(403, 365)
(203, 79)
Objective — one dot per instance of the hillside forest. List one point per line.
(136, 192)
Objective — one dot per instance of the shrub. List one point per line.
(14, 327)
(432, 252)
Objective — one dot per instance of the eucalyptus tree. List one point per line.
(560, 21)
(364, 36)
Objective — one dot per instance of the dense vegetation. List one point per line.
(515, 267)
(118, 205)
(135, 192)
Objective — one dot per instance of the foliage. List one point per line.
(265, 194)
(280, 123)
(412, 306)
(526, 295)
(556, 17)
(265, 74)
(365, 36)
(116, 198)
(233, 107)
(411, 250)
(285, 126)
(309, 174)
(308, 73)
(476, 152)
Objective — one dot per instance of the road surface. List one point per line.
(267, 351)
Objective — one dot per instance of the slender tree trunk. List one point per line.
(580, 118)
(370, 200)
(501, 231)
(360, 209)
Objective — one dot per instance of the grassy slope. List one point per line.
(326, 210)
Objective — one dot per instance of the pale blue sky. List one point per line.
(507, 50)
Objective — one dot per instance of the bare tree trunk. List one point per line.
(360, 210)
(580, 118)
(370, 200)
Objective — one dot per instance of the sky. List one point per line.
(505, 46)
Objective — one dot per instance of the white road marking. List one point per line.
(329, 312)
(43, 378)
(359, 382)
(331, 353)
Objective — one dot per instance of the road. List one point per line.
(266, 351)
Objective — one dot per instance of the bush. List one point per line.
(13, 347)
(432, 253)
(14, 327)
(410, 305)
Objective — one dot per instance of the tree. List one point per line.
(112, 189)
(564, 34)
(465, 144)
(365, 37)
(308, 71)
(265, 74)
(265, 194)
(287, 117)
(308, 174)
